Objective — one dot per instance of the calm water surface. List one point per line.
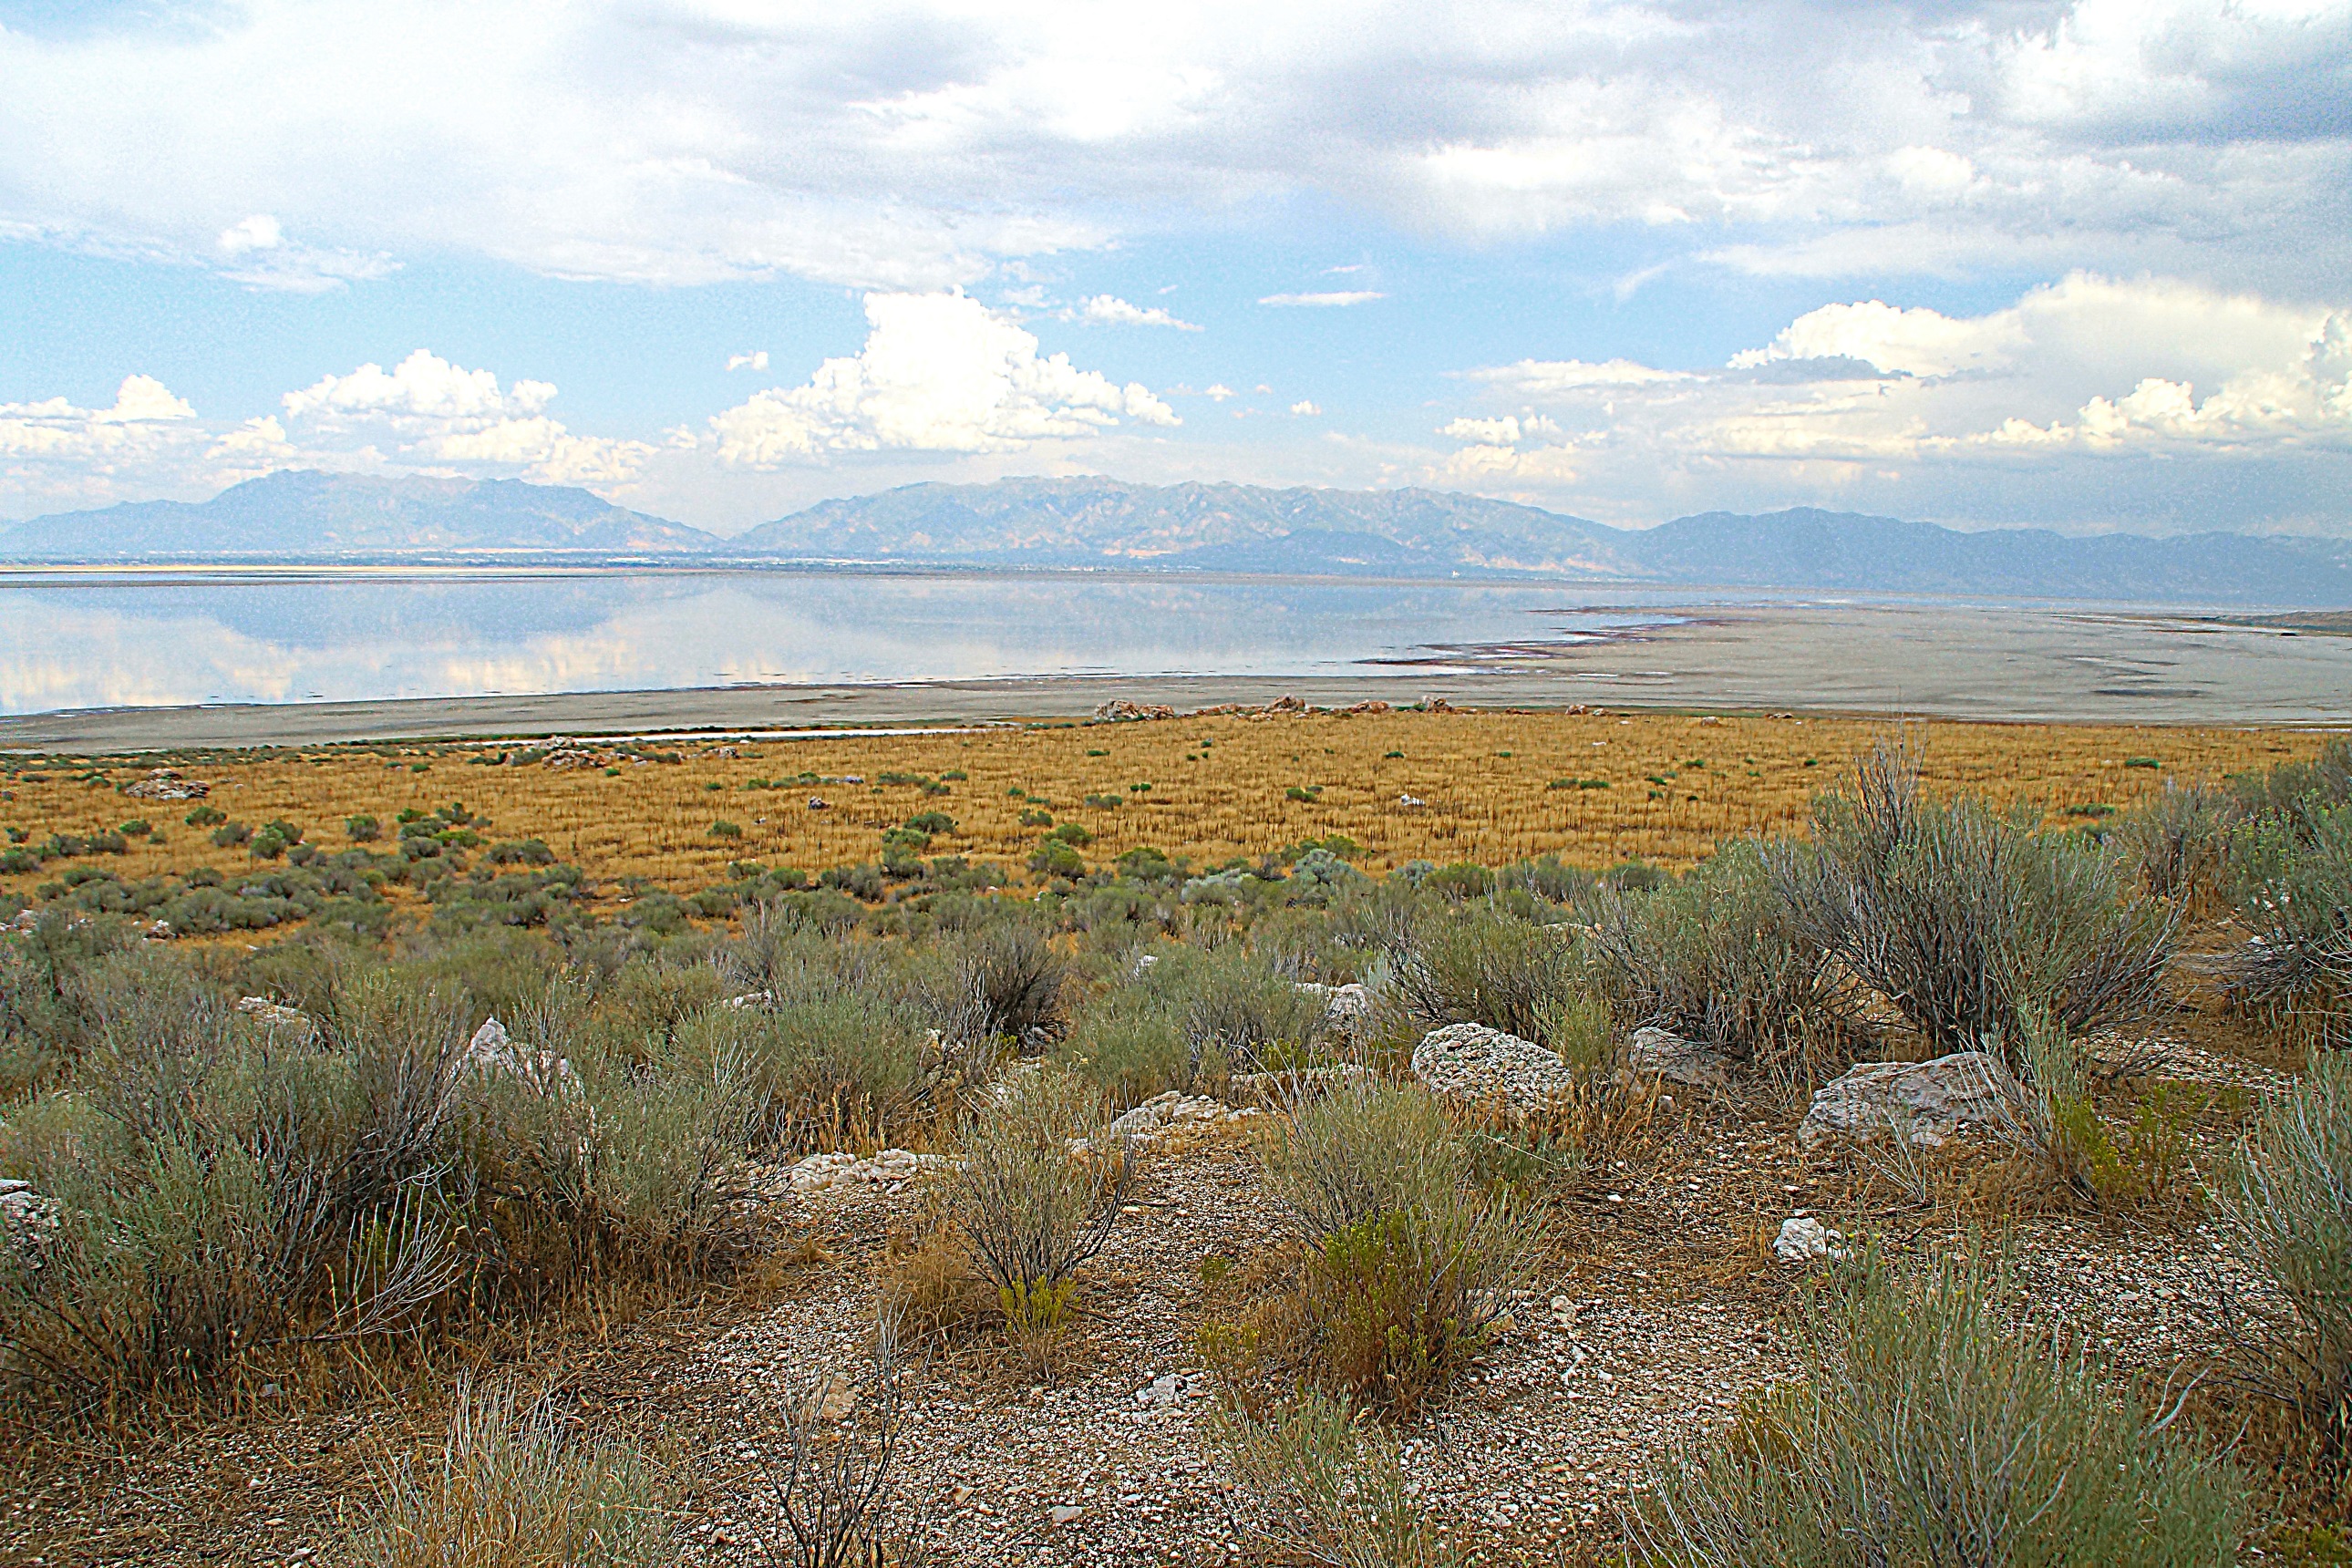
(148, 640)
(128, 639)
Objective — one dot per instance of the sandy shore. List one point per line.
(2041, 665)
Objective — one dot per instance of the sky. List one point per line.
(2085, 266)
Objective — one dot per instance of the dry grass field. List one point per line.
(1491, 788)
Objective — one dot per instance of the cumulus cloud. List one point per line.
(433, 412)
(756, 360)
(1951, 416)
(1305, 409)
(922, 145)
(939, 373)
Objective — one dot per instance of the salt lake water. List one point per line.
(97, 639)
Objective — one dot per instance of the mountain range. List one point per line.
(1107, 523)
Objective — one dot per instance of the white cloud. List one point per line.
(1109, 310)
(55, 430)
(1338, 298)
(1217, 392)
(756, 360)
(939, 372)
(924, 144)
(1305, 409)
(2016, 413)
(257, 232)
(437, 413)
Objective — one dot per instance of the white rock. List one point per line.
(491, 1051)
(1471, 1062)
(749, 999)
(1168, 1389)
(838, 1170)
(1804, 1240)
(1064, 1513)
(1346, 1008)
(273, 1015)
(1293, 1086)
(1923, 1103)
(1654, 1052)
(1411, 800)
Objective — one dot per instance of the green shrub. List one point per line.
(1479, 967)
(1717, 957)
(514, 1489)
(2291, 879)
(1963, 919)
(2285, 1211)
(1332, 1488)
(2176, 840)
(1927, 1429)
(1403, 1268)
(1029, 1209)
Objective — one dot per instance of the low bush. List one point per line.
(1718, 957)
(515, 1490)
(1963, 919)
(1332, 1490)
(1927, 1429)
(2284, 1209)
(2177, 841)
(1478, 966)
(2291, 880)
(1030, 1209)
(1403, 1268)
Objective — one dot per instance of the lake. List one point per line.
(84, 638)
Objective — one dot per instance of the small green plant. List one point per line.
(724, 829)
(1332, 1487)
(205, 816)
(1033, 817)
(513, 1488)
(137, 827)
(362, 829)
(2150, 763)
(1928, 1429)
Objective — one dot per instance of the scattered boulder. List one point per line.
(1471, 1061)
(1804, 1239)
(22, 1207)
(274, 1015)
(1170, 1389)
(1409, 801)
(749, 999)
(491, 1051)
(1346, 1008)
(1921, 1102)
(1374, 706)
(165, 784)
(561, 758)
(841, 1171)
(1285, 705)
(1293, 1085)
(1654, 1052)
(818, 803)
(1120, 710)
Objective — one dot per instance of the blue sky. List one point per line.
(2081, 264)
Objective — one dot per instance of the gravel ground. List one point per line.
(1654, 1308)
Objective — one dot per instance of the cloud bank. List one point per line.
(304, 143)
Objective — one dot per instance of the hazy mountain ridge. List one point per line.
(1100, 522)
(307, 516)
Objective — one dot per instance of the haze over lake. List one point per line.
(98, 639)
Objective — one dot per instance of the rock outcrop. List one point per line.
(1921, 1102)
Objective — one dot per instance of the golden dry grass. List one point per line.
(1218, 789)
